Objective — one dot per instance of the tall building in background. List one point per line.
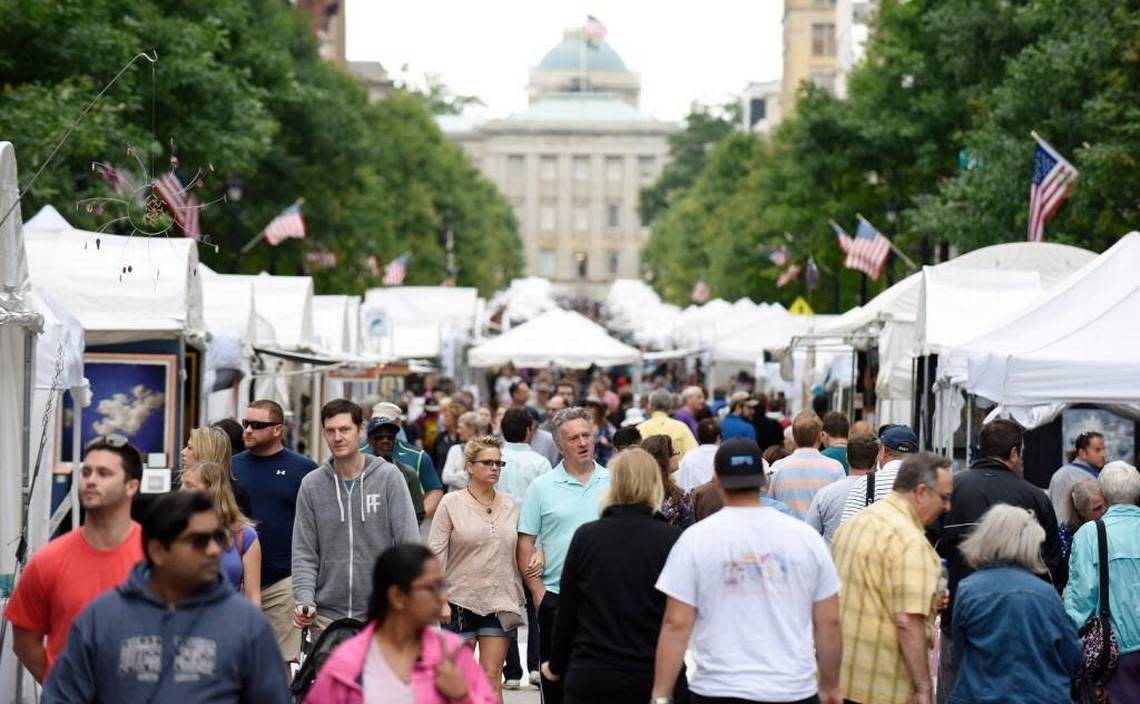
(328, 24)
(810, 49)
(572, 164)
(760, 107)
(851, 33)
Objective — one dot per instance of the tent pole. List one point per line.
(76, 458)
(969, 425)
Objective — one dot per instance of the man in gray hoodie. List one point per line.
(350, 510)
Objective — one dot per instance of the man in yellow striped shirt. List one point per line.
(889, 573)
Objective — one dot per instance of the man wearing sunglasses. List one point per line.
(67, 573)
(272, 475)
(174, 631)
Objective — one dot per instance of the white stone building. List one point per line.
(572, 165)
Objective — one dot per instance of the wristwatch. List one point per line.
(661, 700)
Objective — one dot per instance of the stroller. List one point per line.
(313, 655)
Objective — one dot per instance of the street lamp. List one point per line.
(892, 213)
(235, 189)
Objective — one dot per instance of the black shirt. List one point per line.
(609, 613)
(988, 482)
(769, 432)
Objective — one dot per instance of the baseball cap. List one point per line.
(386, 409)
(739, 464)
(742, 397)
(378, 422)
(899, 438)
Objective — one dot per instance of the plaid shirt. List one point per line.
(887, 567)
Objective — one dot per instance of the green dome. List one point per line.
(565, 57)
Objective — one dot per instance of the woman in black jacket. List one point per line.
(609, 613)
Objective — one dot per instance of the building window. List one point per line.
(823, 39)
(823, 3)
(824, 80)
(547, 217)
(582, 262)
(614, 171)
(581, 169)
(647, 167)
(548, 168)
(757, 110)
(612, 262)
(613, 215)
(546, 263)
(519, 208)
(516, 166)
(581, 217)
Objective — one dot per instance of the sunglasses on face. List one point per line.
(112, 440)
(201, 541)
(490, 463)
(257, 424)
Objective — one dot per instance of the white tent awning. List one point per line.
(560, 337)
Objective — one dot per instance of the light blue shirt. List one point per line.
(1122, 527)
(524, 465)
(555, 505)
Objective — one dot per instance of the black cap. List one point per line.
(378, 422)
(739, 464)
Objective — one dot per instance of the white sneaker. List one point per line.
(512, 684)
(535, 678)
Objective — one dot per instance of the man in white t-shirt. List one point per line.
(758, 594)
(697, 465)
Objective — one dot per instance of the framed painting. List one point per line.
(134, 395)
(1119, 432)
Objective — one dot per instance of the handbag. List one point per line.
(1099, 649)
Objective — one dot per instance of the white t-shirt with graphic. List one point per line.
(753, 575)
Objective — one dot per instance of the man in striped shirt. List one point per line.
(797, 477)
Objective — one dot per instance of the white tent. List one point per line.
(1078, 344)
(560, 337)
(336, 323)
(523, 299)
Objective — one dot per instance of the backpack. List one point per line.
(313, 655)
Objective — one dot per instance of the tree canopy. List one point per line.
(240, 92)
(941, 78)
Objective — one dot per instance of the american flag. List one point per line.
(778, 255)
(789, 275)
(841, 237)
(396, 269)
(700, 293)
(1052, 181)
(868, 251)
(594, 30)
(811, 274)
(288, 224)
(183, 207)
(116, 179)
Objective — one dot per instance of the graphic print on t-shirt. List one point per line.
(194, 658)
(750, 568)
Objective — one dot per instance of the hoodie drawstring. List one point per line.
(339, 503)
(362, 518)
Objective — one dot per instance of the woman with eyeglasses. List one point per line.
(678, 505)
(241, 557)
(474, 535)
(401, 657)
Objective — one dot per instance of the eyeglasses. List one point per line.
(258, 424)
(111, 440)
(438, 588)
(490, 463)
(201, 541)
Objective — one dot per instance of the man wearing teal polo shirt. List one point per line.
(555, 505)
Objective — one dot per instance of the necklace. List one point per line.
(480, 501)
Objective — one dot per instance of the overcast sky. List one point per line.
(705, 51)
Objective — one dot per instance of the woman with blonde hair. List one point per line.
(474, 536)
(609, 612)
(241, 558)
(213, 444)
(1014, 641)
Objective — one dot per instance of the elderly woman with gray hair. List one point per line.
(1010, 628)
(1120, 483)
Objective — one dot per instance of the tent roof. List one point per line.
(1077, 344)
(561, 337)
(425, 304)
(159, 291)
(956, 302)
(228, 305)
(48, 219)
(334, 316)
(14, 280)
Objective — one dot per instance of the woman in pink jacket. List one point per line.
(401, 657)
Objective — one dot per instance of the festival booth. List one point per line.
(635, 311)
(1069, 349)
(139, 302)
(934, 308)
(561, 338)
(421, 322)
(522, 300)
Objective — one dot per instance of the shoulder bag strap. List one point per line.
(1102, 550)
(870, 489)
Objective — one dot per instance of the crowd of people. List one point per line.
(793, 559)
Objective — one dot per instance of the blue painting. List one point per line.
(1119, 432)
(131, 395)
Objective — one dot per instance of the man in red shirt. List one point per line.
(65, 575)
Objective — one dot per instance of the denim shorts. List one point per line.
(467, 624)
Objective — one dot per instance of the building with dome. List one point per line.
(573, 163)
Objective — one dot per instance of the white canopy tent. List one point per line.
(336, 322)
(525, 298)
(559, 337)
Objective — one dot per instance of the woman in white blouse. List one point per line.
(474, 536)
